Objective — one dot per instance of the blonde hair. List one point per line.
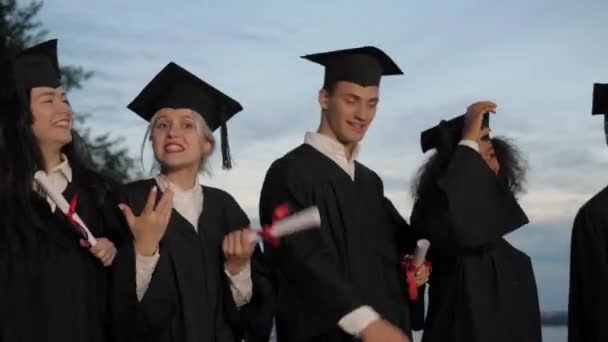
(203, 129)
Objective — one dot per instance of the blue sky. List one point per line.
(536, 59)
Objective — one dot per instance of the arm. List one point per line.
(588, 279)
(131, 318)
(303, 257)
(479, 209)
(248, 295)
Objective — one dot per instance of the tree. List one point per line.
(19, 29)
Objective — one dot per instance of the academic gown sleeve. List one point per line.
(253, 321)
(133, 320)
(469, 208)
(588, 302)
(303, 257)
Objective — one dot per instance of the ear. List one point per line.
(206, 147)
(324, 99)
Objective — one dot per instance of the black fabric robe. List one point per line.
(482, 288)
(52, 289)
(188, 299)
(588, 303)
(353, 260)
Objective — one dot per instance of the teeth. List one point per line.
(173, 148)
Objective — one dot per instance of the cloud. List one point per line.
(536, 60)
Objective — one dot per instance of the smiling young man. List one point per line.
(342, 281)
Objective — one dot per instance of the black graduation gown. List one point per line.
(353, 260)
(482, 288)
(188, 299)
(588, 304)
(54, 289)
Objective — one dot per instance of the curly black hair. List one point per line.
(513, 168)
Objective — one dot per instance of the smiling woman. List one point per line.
(191, 271)
(47, 273)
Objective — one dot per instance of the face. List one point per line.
(52, 116)
(177, 140)
(487, 153)
(348, 111)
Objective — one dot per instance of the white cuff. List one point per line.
(241, 285)
(357, 320)
(144, 267)
(469, 143)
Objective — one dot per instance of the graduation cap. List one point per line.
(363, 66)
(36, 66)
(446, 135)
(175, 87)
(600, 99)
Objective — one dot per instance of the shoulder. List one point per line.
(293, 164)
(596, 206)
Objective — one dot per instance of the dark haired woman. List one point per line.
(482, 288)
(52, 287)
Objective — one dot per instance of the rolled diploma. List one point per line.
(303, 220)
(43, 180)
(422, 247)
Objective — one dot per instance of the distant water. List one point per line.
(550, 334)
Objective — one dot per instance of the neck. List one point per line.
(349, 148)
(185, 178)
(51, 156)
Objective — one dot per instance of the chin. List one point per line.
(64, 140)
(175, 163)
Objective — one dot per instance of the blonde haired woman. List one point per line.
(191, 272)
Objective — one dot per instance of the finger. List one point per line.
(102, 254)
(225, 245)
(250, 239)
(238, 243)
(232, 244)
(166, 203)
(484, 132)
(107, 261)
(151, 200)
(128, 213)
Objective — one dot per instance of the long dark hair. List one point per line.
(22, 158)
(512, 172)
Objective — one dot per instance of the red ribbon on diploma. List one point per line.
(280, 213)
(410, 269)
(70, 216)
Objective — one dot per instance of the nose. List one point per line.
(173, 130)
(63, 107)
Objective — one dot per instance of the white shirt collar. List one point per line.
(60, 177)
(188, 203)
(64, 169)
(334, 150)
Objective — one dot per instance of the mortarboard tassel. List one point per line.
(226, 157)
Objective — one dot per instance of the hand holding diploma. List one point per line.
(102, 248)
(417, 269)
(238, 246)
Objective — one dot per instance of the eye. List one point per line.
(161, 125)
(188, 125)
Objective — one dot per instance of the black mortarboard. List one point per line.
(38, 66)
(446, 134)
(175, 87)
(600, 99)
(363, 66)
